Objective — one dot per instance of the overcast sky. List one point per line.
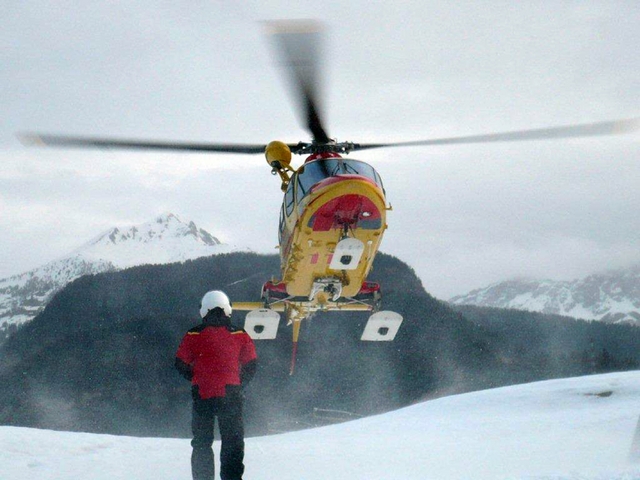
(462, 216)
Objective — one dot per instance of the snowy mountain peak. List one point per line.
(612, 296)
(161, 228)
(165, 239)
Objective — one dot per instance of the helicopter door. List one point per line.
(382, 326)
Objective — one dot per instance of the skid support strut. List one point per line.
(295, 316)
(294, 349)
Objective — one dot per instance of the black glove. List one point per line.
(248, 371)
(184, 369)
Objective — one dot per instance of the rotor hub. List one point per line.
(306, 148)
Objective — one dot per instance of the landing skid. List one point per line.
(262, 321)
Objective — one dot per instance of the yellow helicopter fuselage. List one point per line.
(332, 220)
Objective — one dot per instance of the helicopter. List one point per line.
(333, 214)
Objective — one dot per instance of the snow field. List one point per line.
(569, 429)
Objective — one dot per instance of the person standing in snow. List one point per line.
(218, 359)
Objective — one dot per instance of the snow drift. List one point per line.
(577, 428)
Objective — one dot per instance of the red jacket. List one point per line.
(216, 355)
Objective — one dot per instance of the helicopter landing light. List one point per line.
(382, 326)
(347, 254)
(262, 324)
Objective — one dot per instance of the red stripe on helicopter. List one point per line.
(356, 211)
(322, 155)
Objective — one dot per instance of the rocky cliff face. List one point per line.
(612, 297)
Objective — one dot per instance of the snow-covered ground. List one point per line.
(568, 429)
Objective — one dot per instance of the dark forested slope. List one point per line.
(100, 357)
(533, 345)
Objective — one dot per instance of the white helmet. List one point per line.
(215, 299)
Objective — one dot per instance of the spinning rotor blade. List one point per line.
(64, 141)
(572, 131)
(298, 42)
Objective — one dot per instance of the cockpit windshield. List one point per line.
(314, 172)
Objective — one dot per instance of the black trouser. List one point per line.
(228, 410)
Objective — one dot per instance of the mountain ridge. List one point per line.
(165, 239)
(100, 356)
(612, 296)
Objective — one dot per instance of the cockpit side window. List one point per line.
(379, 181)
(301, 190)
(288, 197)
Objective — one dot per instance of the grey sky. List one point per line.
(463, 216)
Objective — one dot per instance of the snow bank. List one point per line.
(569, 429)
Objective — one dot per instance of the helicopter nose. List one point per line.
(351, 210)
(348, 209)
(346, 201)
